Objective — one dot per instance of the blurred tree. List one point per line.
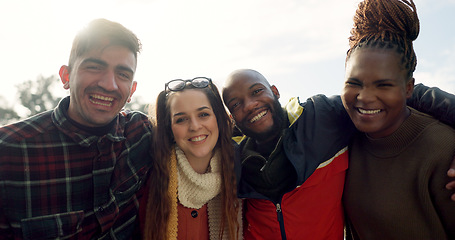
(37, 96)
(137, 104)
(41, 95)
(7, 114)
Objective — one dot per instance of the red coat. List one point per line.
(316, 146)
(311, 211)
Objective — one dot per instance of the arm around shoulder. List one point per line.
(435, 102)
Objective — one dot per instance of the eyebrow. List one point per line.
(353, 79)
(252, 86)
(104, 63)
(230, 100)
(94, 60)
(376, 81)
(384, 80)
(183, 113)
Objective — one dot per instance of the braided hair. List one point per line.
(387, 24)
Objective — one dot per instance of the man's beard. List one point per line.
(279, 119)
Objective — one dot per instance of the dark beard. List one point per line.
(279, 120)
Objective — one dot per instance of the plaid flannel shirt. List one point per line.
(59, 182)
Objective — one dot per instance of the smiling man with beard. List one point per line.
(294, 159)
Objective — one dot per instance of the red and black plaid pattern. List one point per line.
(59, 182)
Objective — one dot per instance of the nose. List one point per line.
(250, 104)
(366, 95)
(194, 124)
(108, 81)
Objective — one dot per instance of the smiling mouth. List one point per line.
(101, 100)
(259, 116)
(198, 138)
(365, 111)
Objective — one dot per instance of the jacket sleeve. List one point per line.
(322, 130)
(435, 102)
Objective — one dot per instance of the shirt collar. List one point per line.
(82, 136)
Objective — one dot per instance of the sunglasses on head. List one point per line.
(180, 84)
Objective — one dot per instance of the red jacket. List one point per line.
(311, 211)
(316, 145)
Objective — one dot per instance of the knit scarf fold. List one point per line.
(194, 189)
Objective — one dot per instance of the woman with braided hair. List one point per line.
(394, 187)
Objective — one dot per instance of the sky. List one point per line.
(298, 45)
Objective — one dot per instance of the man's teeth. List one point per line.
(107, 103)
(257, 117)
(364, 111)
(198, 138)
(103, 104)
(102, 97)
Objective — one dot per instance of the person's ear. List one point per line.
(133, 89)
(275, 91)
(64, 76)
(410, 87)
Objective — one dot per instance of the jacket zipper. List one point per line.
(280, 221)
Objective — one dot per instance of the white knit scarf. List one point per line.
(194, 189)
